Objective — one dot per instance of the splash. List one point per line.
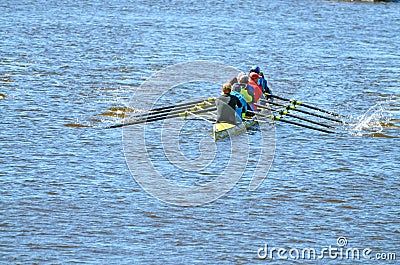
(371, 121)
(374, 121)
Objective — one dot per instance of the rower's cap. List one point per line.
(254, 76)
(255, 68)
(239, 76)
(236, 87)
(244, 79)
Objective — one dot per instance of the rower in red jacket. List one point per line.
(253, 81)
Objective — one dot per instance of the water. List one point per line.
(67, 195)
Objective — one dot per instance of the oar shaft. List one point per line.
(154, 112)
(310, 121)
(296, 102)
(172, 109)
(184, 104)
(151, 119)
(168, 112)
(290, 107)
(304, 125)
(286, 113)
(278, 118)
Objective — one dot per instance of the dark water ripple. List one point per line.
(66, 194)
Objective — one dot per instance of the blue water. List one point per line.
(67, 195)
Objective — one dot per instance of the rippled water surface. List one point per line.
(67, 195)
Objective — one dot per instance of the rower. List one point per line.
(262, 82)
(246, 90)
(257, 88)
(237, 92)
(226, 105)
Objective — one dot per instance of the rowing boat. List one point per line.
(222, 129)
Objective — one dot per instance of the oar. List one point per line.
(296, 102)
(148, 115)
(286, 113)
(278, 118)
(184, 104)
(158, 118)
(199, 104)
(169, 109)
(201, 117)
(293, 107)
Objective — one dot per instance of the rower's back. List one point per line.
(226, 105)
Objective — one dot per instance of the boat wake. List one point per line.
(377, 121)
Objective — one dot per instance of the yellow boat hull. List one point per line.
(222, 130)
